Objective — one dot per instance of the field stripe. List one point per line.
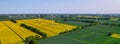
(14, 31)
(78, 39)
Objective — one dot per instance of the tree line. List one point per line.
(34, 30)
(14, 21)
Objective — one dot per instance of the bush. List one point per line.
(109, 34)
(14, 21)
(32, 39)
(64, 19)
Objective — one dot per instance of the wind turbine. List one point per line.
(52, 15)
(39, 18)
(96, 17)
(23, 15)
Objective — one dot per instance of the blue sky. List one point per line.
(59, 6)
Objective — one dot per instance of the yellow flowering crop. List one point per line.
(49, 33)
(7, 36)
(51, 28)
(20, 30)
(115, 35)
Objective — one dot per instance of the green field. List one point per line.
(92, 35)
(96, 34)
(110, 21)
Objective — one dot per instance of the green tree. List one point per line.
(32, 39)
(109, 34)
(14, 21)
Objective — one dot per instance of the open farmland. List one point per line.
(59, 21)
(22, 32)
(110, 21)
(7, 36)
(92, 35)
(46, 26)
(96, 34)
(60, 30)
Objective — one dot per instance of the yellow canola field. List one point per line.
(20, 30)
(46, 25)
(43, 20)
(49, 33)
(63, 26)
(7, 36)
(115, 35)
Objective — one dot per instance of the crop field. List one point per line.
(92, 35)
(96, 34)
(46, 26)
(110, 21)
(13, 33)
(19, 30)
(103, 21)
(59, 31)
(7, 36)
(75, 23)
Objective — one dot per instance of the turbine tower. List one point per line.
(39, 18)
(52, 15)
